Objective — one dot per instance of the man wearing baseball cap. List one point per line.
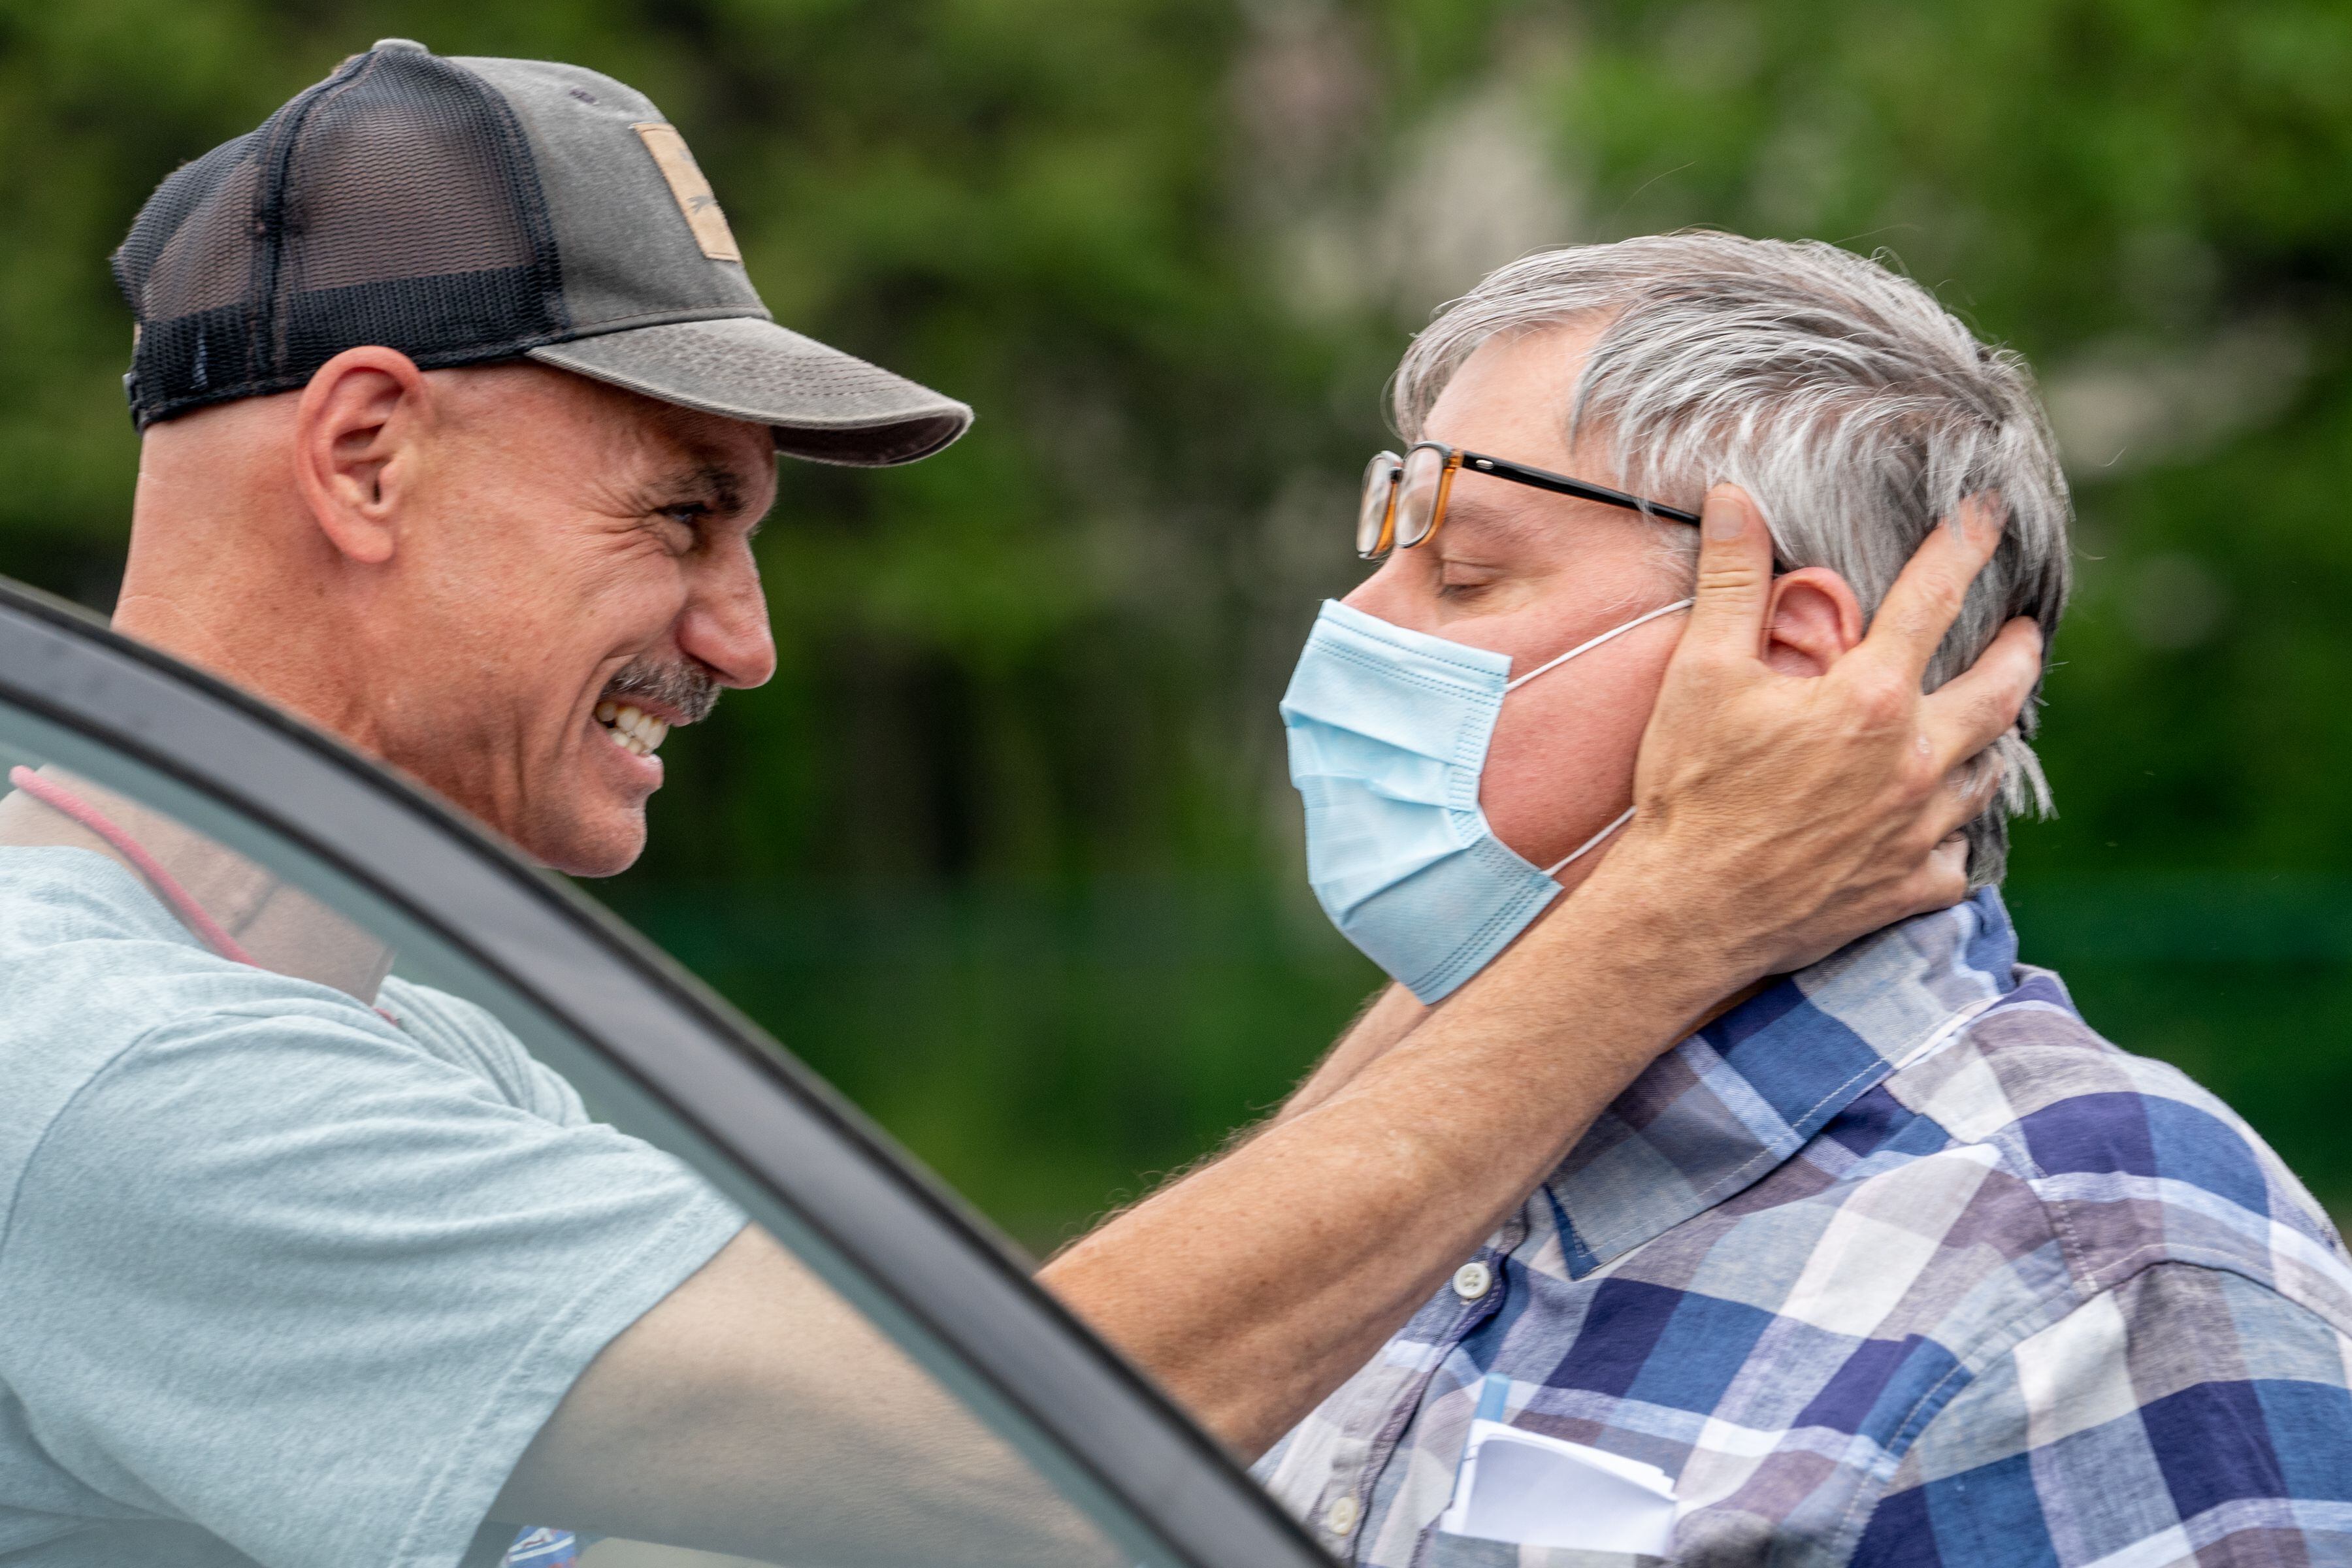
(458, 413)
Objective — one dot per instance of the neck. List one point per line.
(225, 579)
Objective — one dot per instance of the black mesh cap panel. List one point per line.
(471, 210)
(394, 203)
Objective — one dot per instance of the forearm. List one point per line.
(1254, 1288)
(1386, 1018)
(755, 1412)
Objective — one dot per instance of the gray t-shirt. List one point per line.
(281, 1281)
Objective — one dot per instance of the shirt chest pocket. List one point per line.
(1531, 1501)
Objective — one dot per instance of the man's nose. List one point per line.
(726, 623)
(1394, 592)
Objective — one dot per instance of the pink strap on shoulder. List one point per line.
(183, 902)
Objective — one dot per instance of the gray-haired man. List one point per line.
(1895, 1262)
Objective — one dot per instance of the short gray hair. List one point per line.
(1853, 407)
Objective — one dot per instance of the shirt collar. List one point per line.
(1735, 1100)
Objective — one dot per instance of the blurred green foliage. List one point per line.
(1006, 848)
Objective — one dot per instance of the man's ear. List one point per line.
(1813, 619)
(356, 432)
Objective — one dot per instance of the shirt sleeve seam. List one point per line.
(33, 1155)
(2093, 1278)
(438, 1495)
(2015, 1332)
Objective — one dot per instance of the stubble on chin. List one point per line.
(583, 837)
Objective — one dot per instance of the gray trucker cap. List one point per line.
(465, 210)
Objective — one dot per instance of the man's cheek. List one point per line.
(1536, 783)
(1559, 770)
(632, 616)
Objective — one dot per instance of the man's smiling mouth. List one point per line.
(632, 709)
(631, 727)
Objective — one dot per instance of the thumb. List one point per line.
(1735, 576)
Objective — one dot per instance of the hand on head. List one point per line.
(1818, 809)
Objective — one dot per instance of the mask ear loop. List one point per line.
(1594, 842)
(1517, 681)
(1590, 844)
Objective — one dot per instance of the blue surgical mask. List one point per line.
(1388, 741)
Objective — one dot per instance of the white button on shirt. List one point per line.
(1473, 1279)
(1340, 1516)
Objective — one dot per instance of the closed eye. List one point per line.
(1458, 588)
(685, 525)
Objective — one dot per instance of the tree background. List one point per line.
(1005, 849)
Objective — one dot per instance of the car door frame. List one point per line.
(820, 1158)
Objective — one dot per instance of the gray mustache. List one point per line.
(688, 688)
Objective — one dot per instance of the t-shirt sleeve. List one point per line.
(290, 1276)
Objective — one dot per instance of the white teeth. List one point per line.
(631, 727)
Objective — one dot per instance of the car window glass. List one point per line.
(910, 1457)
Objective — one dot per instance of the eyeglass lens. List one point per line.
(1417, 493)
(1373, 515)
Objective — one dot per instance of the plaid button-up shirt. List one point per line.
(1896, 1262)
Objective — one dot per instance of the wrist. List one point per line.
(1660, 916)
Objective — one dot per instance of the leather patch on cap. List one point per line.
(694, 197)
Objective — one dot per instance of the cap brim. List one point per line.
(824, 404)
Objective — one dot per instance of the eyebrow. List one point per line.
(721, 485)
(714, 485)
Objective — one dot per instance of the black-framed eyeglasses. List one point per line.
(1404, 498)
